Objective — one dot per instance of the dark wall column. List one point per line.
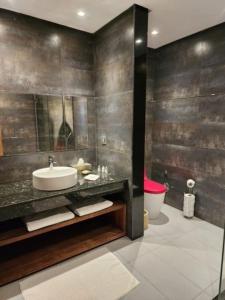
(120, 84)
(138, 137)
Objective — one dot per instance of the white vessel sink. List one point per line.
(53, 179)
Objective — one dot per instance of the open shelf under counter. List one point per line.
(15, 230)
(23, 253)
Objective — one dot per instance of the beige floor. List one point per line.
(177, 259)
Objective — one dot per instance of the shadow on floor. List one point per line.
(161, 220)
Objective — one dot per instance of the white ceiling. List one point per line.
(173, 19)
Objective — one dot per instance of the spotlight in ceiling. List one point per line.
(155, 32)
(138, 41)
(81, 13)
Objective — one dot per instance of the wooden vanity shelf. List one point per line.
(23, 253)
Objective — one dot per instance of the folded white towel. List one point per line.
(85, 210)
(91, 177)
(48, 218)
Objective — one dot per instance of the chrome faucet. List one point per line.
(51, 162)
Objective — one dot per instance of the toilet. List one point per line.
(154, 195)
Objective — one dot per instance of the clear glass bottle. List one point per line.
(99, 170)
(103, 172)
(106, 172)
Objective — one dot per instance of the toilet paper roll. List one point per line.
(189, 204)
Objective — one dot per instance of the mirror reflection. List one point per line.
(30, 123)
(80, 119)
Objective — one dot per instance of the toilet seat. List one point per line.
(153, 187)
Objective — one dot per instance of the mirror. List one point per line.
(69, 131)
(80, 119)
(30, 123)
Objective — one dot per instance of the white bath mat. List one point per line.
(101, 278)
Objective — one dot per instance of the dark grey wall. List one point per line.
(42, 57)
(39, 57)
(188, 125)
(149, 109)
(114, 55)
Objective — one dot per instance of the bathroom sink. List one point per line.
(55, 178)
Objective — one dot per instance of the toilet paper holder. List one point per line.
(189, 200)
(190, 186)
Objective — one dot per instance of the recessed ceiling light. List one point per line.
(155, 32)
(138, 41)
(81, 13)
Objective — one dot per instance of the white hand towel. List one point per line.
(48, 218)
(91, 177)
(85, 210)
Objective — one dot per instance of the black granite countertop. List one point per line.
(23, 192)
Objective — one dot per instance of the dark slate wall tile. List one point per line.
(213, 46)
(177, 71)
(182, 110)
(209, 136)
(178, 56)
(114, 56)
(212, 79)
(77, 49)
(180, 85)
(77, 81)
(200, 161)
(114, 78)
(42, 57)
(114, 42)
(151, 63)
(118, 163)
(149, 109)
(117, 109)
(17, 123)
(148, 133)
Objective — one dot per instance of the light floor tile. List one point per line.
(203, 296)
(171, 211)
(184, 263)
(166, 231)
(209, 256)
(167, 280)
(134, 250)
(213, 229)
(207, 238)
(176, 218)
(213, 289)
(11, 292)
(223, 283)
(144, 291)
